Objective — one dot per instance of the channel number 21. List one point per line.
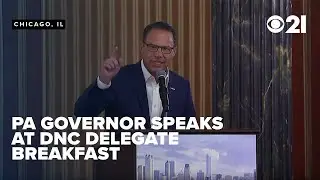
(275, 24)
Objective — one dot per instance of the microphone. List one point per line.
(163, 91)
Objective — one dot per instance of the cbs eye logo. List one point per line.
(275, 24)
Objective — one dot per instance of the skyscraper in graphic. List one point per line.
(200, 175)
(140, 172)
(149, 167)
(172, 169)
(228, 177)
(235, 178)
(214, 176)
(156, 175)
(187, 174)
(180, 176)
(255, 174)
(162, 176)
(248, 176)
(167, 170)
(208, 166)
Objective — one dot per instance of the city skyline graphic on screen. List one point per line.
(199, 157)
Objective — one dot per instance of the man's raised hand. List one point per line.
(110, 67)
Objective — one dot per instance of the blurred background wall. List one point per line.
(72, 57)
(53, 68)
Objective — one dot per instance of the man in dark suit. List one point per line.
(133, 90)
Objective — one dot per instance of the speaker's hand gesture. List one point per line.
(110, 67)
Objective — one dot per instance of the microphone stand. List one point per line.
(163, 91)
(165, 107)
(165, 113)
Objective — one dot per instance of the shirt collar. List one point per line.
(147, 74)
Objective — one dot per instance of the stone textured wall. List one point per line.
(252, 78)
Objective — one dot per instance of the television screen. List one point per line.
(200, 157)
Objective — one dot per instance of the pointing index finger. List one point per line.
(115, 53)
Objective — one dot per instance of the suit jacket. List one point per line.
(127, 96)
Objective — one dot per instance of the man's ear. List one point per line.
(141, 46)
(174, 51)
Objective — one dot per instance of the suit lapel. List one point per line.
(140, 88)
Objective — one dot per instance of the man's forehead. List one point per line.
(160, 35)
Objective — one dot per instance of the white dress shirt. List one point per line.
(152, 87)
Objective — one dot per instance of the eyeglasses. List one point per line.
(154, 48)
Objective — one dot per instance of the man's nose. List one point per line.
(158, 53)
